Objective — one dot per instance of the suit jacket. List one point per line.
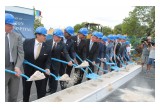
(70, 48)
(16, 48)
(109, 50)
(93, 53)
(101, 52)
(81, 48)
(122, 50)
(56, 53)
(118, 45)
(43, 60)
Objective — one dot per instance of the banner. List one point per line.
(24, 24)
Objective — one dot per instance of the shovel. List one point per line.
(129, 62)
(27, 78)
(89, 75)
(97, 66)
(122, 62)
(115, 67)
(107, 63)
(28, 63)
(123, 65)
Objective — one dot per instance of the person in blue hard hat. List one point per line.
(101, 53)
(57, 47)
(69, 43)
(37, 52)
(105, 43)
(116, 49)
(80, 49)
(92, 49)
(122, 49)
(14, 56)
(110, 47)
(109, 50)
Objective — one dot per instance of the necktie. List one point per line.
(38, 50)
(7, 55)
(90, 45)
(55, 44)
(78, 41)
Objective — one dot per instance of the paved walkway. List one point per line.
(140, 89)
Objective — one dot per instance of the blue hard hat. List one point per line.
(58, 32)
(104, 38)
(114, 37)
(70, 30)
(123, 37)
(100, 34)
(95, 33)
(127, 42)
(83, 31)
(119, 36)
(111, 37)
(41, 30)
(9, 19)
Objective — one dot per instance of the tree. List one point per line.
(79, 26)
(117, 29)
(141, 21)
(130, 26)
(37, 23)
(107, 30)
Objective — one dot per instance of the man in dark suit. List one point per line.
(92, 49)
(80, 49)
(116, 49)
(57, 48)
(122, 48)
(14, 56)
(37, 52)
(101, 51)
(69, 43)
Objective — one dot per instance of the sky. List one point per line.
(70, 16)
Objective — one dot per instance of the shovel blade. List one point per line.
(37, 76)
(92, 76)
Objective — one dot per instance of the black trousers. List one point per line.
(40, 85)
(64, 69)
(52, 82)
(80, 74)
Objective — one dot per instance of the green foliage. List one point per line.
(141, 21)
(37, 23)
(78, 26)
(107, 30)
(118, 29)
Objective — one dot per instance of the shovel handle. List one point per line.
(97, 66)
(28, 63)
(79, 58)
(82, 61)
(58, 60)
(12, 72)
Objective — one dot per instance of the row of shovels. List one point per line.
(82, 66)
